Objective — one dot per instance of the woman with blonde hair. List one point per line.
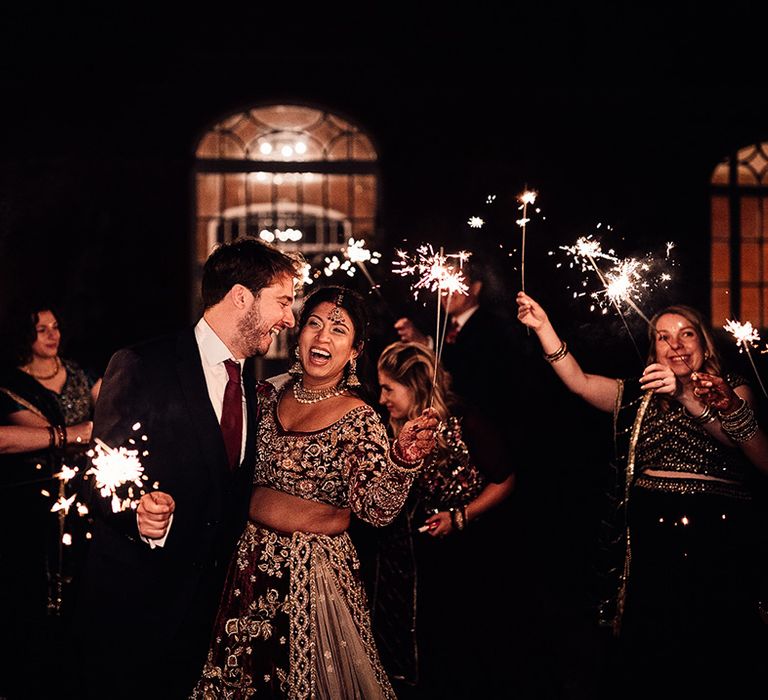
(465, 476)
(685, 552)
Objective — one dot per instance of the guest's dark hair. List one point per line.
(246, 261)
(23, 330)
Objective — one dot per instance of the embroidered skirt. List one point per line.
(293, 623)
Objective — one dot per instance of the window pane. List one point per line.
(721, 262)
(750, 262)
(720, 219)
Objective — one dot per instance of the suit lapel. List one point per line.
(201, 412)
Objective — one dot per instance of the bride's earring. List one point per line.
(296, 369)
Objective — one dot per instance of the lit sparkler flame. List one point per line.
(475, 222)
(525, 198)
(746, 337)
(432, 271)
(114, 468)
(304, 277)
(356, 252)
(434, 274)
(356, 255)
(626, 283)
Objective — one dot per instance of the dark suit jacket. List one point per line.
(134, 596)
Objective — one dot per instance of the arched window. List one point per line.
(301, 177)
(739, 245)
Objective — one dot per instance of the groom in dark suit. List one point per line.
(153, 576)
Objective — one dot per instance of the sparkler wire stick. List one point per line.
(526, 198)
(618, 308)
(754, 368)
(629, 301)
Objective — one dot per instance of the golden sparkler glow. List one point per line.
(356, 255)
(356, 252)
(746, 336)
(114, 468)
(432, 271)
(305, 277)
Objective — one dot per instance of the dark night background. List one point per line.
(615, 112)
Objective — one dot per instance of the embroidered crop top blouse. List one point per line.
(347, 464)
(671, 440)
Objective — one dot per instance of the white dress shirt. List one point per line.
(213, 352)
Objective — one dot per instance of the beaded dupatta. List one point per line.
(615, 541)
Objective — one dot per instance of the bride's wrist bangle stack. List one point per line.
(558, 354)
(740, 425)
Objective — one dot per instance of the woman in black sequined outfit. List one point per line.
(686, 552)
(431, 541)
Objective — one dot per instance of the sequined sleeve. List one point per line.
(377, 486)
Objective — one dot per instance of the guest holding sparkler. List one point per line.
(686, 557)
(154, 574)
(476, 344)
(426, 561)
(293, 620)
(47, 404)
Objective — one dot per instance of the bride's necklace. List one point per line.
(304, 395)
(45, 377)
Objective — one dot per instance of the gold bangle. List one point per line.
(706, 416)
(558, 354)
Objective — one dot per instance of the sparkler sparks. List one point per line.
(525, 198)
(746, 337)
(114, 468)
(475, 222)
(434, 274)
(356, 255)
(432, 271)
(627, 281)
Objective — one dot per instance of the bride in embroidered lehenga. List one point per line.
(293, 619)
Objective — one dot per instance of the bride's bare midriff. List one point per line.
(287, 513)
(685, 475)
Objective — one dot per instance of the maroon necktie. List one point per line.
(232, 414)
(453, 331)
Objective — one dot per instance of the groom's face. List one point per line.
(270, 312)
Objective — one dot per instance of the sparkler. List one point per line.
(746, 337)
(435, 275)
(626, 281)
(525, 198)
(356, 255)
(114, 468)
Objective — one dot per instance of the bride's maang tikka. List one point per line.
(335, 315)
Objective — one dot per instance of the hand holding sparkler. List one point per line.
(113, 468)
(715, 392)
(529, 313)
(154, 514)
(660, 379)
(417, 437)
(408, 332)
